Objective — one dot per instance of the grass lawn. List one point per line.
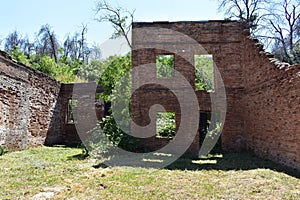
(59, 173)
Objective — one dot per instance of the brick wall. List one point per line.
(33, 107)
(89, 111)
(263, 94)
(272, 105)
(27, 101)
(221, 39)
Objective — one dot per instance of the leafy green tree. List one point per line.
(204, 73)
(115, 74)
(165, 124)
(115, 68)
(66, 73)
(164, 66)
(92, 71)
(18, 54)
(46, 55)
(47, 65)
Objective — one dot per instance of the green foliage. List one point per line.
(115, 68)
(112, 130)
(215, 130)
(115, 76)
(47, 65)
(3, 150)
(65, 70)
(18, 54)
(204, 73)
(210, 140)
(98, 145)
(165, 124)
(92, 71)
(118, 137)
(66, 73)
(296, 50)
(164, 66)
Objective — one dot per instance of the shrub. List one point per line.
(3, 150)
(165, 126)
(105, 138)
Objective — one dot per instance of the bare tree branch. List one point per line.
(118, 17)
(276, 22)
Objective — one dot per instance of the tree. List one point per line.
(68, 46)
(95, 52)
(204, 73)
(115, 68)
(76, 47)
(18, 54)
(165, 65)
(119, 18)
(92, 71)
(114, 75)
(47, 43)
(245, 10)
(266, 17)
(285, 22)
(14, 40)
(83, 48)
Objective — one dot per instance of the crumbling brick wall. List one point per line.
(27, 101)
(33, 107)
(272, 105)
(263, 102)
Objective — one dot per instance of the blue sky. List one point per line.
(66, 16)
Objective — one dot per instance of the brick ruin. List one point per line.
(27, 101)
(263, 94)
(34, 107)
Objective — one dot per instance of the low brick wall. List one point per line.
(27, 102)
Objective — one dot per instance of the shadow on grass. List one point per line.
(80, 156)
(230, 161)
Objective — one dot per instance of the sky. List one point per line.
(66, 16)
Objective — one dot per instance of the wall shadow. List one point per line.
(228, 161)
(231, 161)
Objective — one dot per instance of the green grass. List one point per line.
(27, 173)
